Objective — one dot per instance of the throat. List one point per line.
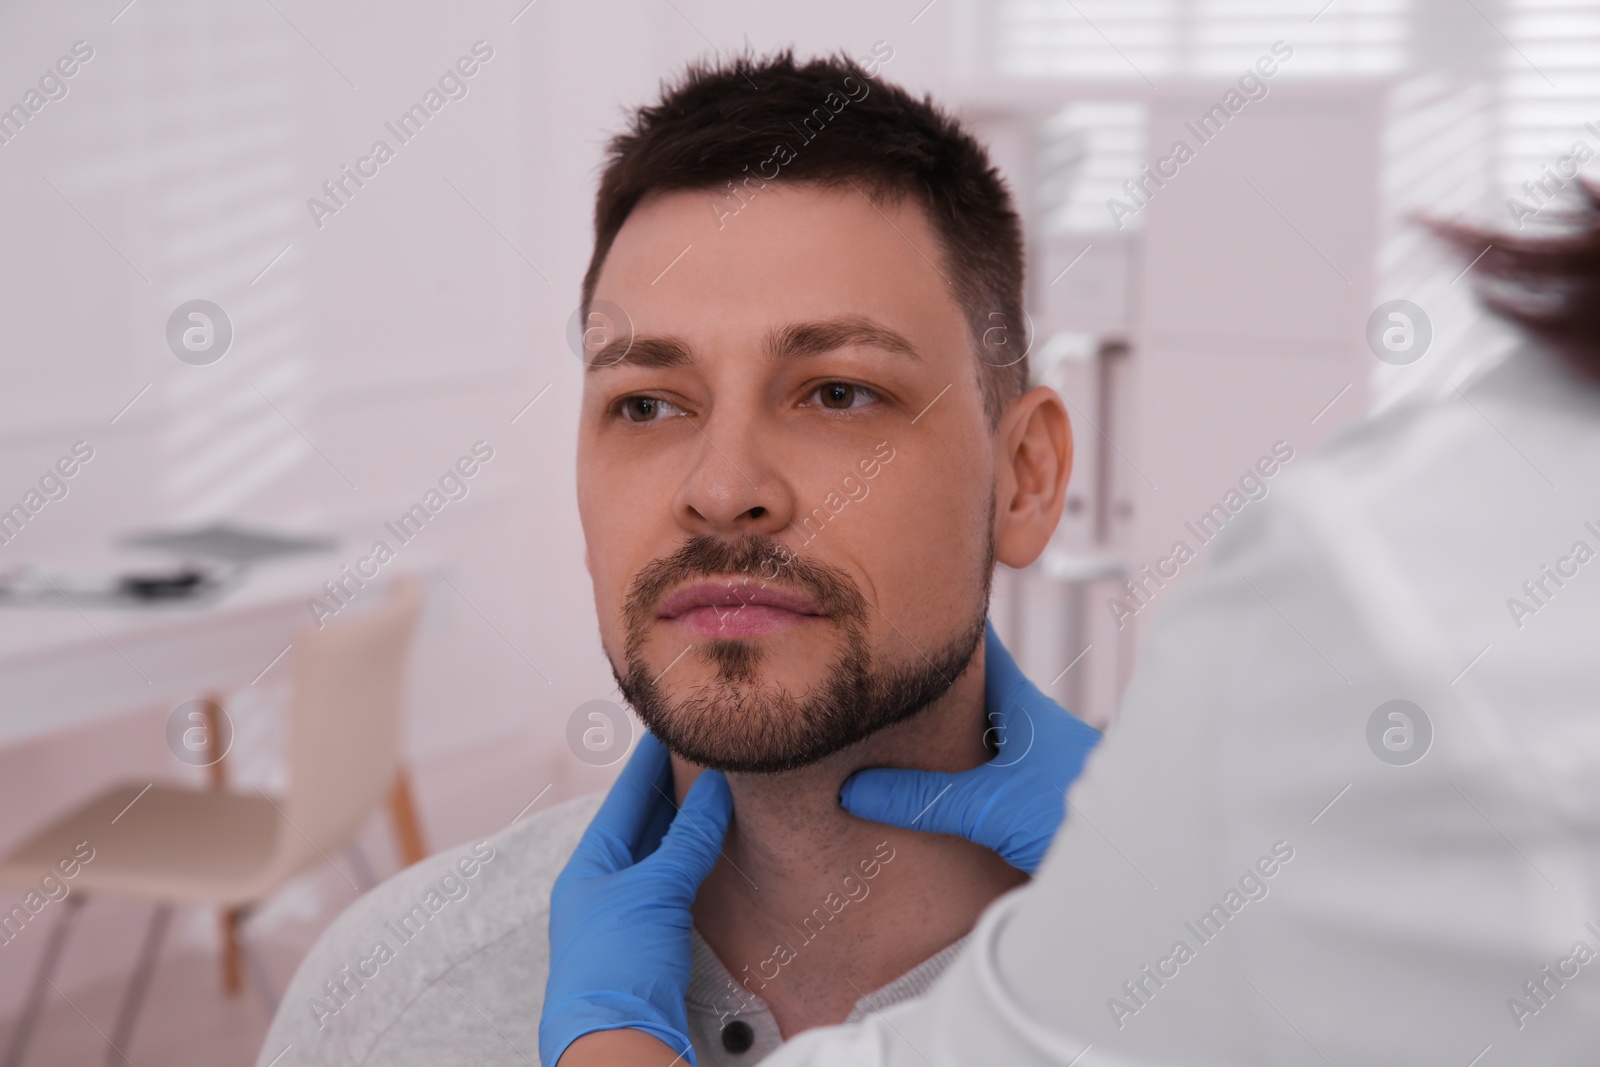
(812, 909)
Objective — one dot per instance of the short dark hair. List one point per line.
(723, 125)
(1547, 283)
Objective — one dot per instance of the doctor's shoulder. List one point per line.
(417, 961)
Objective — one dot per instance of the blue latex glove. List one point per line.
(1014, 803)
(619, 912)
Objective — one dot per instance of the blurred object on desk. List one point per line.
(233, 544)
(184, 584)
(212, 560)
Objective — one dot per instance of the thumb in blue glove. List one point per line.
(1012, 805)
(619, 911)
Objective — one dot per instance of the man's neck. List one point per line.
(811, 908)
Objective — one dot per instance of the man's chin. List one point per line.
(751, 715)
(753, 727)
(741, 755)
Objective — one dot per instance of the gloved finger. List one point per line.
(1070, 739)
(931, 801)
(694, 840)
(1048, 740)
(658, 824)
(1011, 729)
(1051, 744)
(612, 840)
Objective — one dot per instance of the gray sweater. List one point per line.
(446, 963)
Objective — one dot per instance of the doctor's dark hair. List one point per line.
(720, 129)
(1547, 284)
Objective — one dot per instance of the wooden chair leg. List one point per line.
(407, 827)
(232, 961)
(232, 964)
(218, 766)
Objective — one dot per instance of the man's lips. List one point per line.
(727, 597)
(732, 608)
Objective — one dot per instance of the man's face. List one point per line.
(785, 477)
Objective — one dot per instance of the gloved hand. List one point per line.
(1014, 803)
(619, 911)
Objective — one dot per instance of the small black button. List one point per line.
(738, 1036)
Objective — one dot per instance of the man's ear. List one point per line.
(1033, 462)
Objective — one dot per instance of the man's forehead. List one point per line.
(795, 254)
(782, 229)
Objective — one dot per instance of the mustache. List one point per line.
(752, 555)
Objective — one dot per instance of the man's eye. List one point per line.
(841, 396)
(648, 408)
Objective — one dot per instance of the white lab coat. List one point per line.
(1419, 898)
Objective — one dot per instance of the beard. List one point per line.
(740, 722)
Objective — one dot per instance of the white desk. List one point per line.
(60, 666)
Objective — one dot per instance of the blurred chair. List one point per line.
(176, 846)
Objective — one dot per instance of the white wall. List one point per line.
(421, 317)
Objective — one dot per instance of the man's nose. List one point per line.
(735, 485)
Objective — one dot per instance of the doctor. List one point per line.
(1350, 812)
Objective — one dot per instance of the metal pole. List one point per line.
(47, 967)
(139, 983)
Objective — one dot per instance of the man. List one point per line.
(805, 441)
(1317, 837)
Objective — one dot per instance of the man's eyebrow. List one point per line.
(643, 352)
(796, 340)
(825, 335)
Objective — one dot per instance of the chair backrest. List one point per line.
(346, 720)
